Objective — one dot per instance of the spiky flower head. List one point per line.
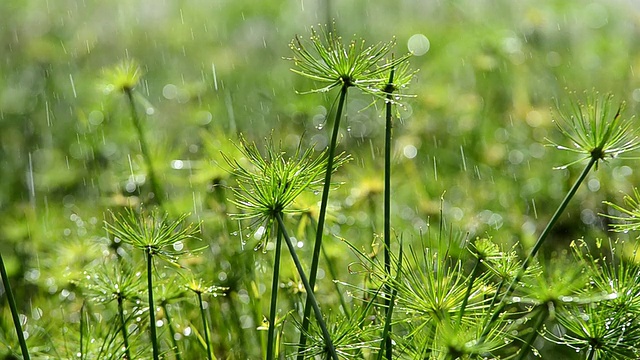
(122, 77)
(602, 333)
(269, 185)
(108, 282)
(200, 286)
(153, 233)
(328, 60)
(596, 129)
(629, 216)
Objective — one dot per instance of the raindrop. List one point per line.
(73, 86)
(418, 44)
(410, 151)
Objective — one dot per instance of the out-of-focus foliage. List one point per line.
(489, 76)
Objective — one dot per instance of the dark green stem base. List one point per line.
(14, 310)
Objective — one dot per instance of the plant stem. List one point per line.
(14, 310)
(465, 299)
(539, 242)
(330, 349)
(386, 332)
(591, 353)
(152, 308)
(82, 331)
(387, 213)
(123, 327)
(153, 180)
(330, 265)
(204, 325)
(540, 318)
(321, 218)
(274, 298)
(172, 331)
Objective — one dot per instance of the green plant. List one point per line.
(265, 192)
(344, 66)
(595, 131)
(156, 236)
(124, 78)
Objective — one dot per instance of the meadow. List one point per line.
(194, 179)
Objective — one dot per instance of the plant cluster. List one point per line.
(437, 294)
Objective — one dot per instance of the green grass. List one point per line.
(438, 237)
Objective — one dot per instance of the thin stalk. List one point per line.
(14, 310)
(386, 332)
(204, 325)
(321, 218)
(330, 349)
(123, 327)
(152, 308)
(541, 317)
(538, 244)
(82, 331)
(274, 298)
(387, 212)
(591, 353)
(465, 299)
(332, 269)
(172, 331)
(153, 180)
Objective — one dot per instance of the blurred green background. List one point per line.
(490, 74)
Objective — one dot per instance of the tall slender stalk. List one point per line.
(321, 219)
(153, 179)
(386, 331)
(387, 211)
(14, 310)
(274, 298)
(172, 331)
(539, 242)
(152, 308)
(465, 299)
(330, 349)
(123, 328)
(204, 325)
(330, 265)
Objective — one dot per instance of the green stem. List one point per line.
(386, 332)
(204, 325)
(387, 211)
(591, 353)
(274, 298)
(331, 267)
(152, 308)
(538, 244)
(123, 327)
(82, 331)
(172, 331)
(321, 218)
(330, 349)
(465, 299)
(153, 180)
(14, 310)
(541, 317)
